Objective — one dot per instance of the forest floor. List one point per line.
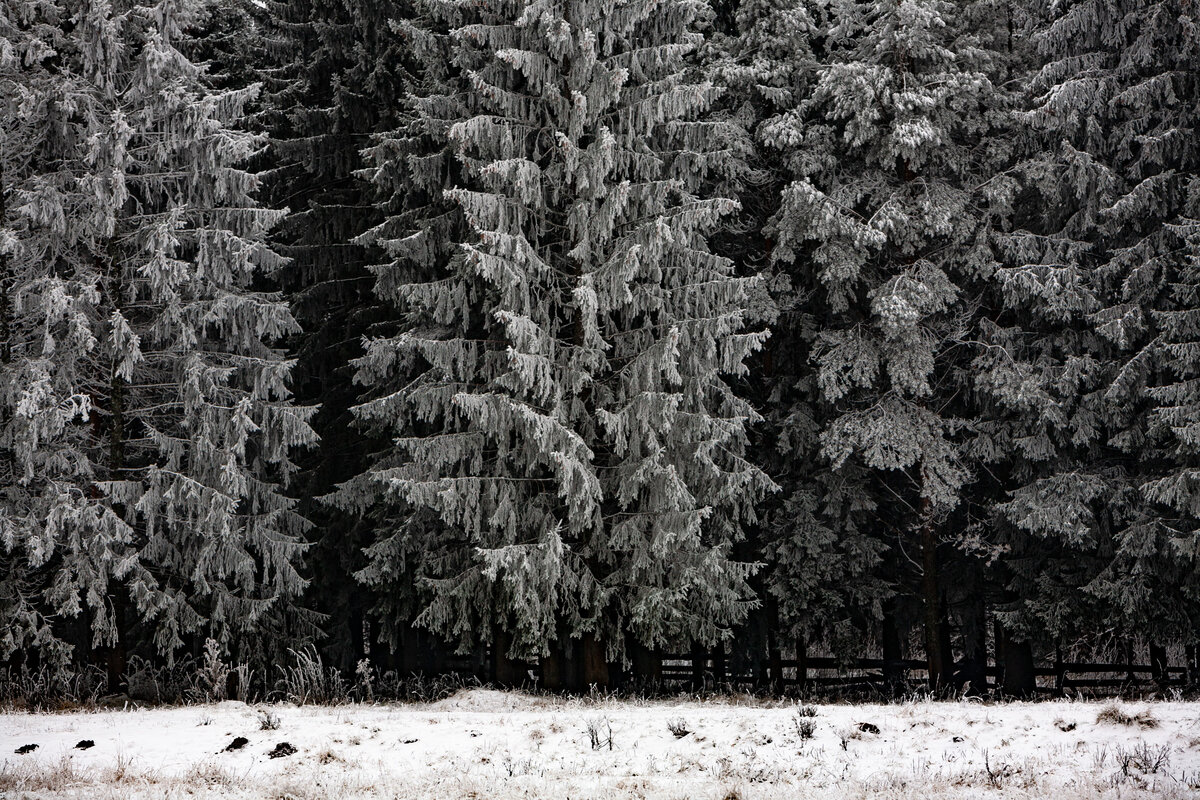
(501, 746)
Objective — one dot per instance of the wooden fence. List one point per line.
(831, 674)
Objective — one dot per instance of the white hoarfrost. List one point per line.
(483, 744)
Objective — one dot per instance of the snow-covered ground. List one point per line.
(493, 746)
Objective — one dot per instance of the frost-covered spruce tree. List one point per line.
(570, 449)
(1111, 259)
(192, 420)
(410, 168)
(891, 206)
(1147, 226)
(59, 547)
(816, 536)
(336, 76)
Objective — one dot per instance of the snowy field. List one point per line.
(498, 746)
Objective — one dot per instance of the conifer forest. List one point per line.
(554, 341)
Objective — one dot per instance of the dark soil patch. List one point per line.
(282, 749)
(237, 744)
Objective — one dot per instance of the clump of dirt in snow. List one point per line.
(237, 744)
(282, 749)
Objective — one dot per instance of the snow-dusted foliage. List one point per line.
(817, 540)
(888, 220)
(570, 453)
(729, 330)
(1102, 276)
(146, 407)
(54, 536)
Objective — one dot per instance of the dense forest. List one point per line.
(570, 334)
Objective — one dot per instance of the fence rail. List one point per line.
(867, 672)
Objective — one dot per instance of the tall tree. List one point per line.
(1107, 519)
(335, 75)
(816, 535)
(191, 394)
(892, 204)
(570, 452)
(410, 167)
(147, 419)
(58, 544)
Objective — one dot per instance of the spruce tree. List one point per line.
(58, 544)
(570, 451)
(816, 535)
(410, 167)
(191, 394)
(148, 424)
(1148, 226)
(892, 206)
(335, 75)
(1103, 516)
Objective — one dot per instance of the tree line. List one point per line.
(581, 332)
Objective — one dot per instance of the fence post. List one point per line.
(893, 667)
(1019, 679)
(801, 662)
(1060, 672)
(720, 674)
(699, 663)
(1158, 665)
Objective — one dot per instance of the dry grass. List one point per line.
(1115, 714)
(209, 774)
(38, 777)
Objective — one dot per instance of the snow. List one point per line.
(488, 744)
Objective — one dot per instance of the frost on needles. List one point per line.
(570, 457)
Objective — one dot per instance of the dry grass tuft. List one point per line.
(37, 777)
(330, 757)
(209, 773)
(1114, 714)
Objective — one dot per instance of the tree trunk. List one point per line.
(774, 656)
(801, 663)
(594, 666)
(647, 665)
(973, 674)
(998, 639)
(1158, 665)
(946, 646)
(1019, 679)
(893, 665)
(699, 666)
(554, 676)
(934, 656)
(505, 671)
